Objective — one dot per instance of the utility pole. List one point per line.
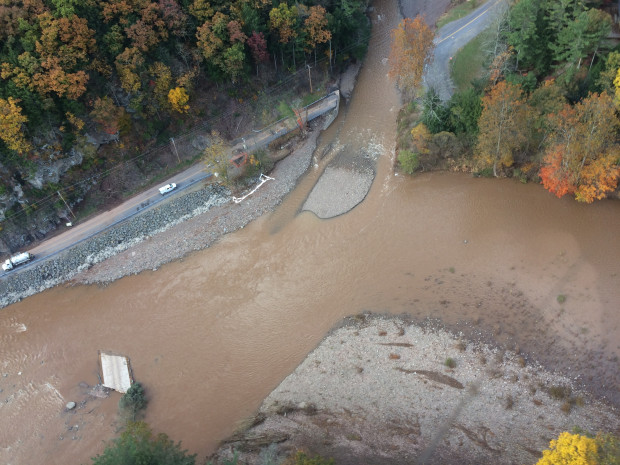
(62, 198)
(309, 78)
(175, 149)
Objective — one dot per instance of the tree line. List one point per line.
(67, 63)
(547, 110)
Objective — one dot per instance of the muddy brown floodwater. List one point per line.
(211, 335)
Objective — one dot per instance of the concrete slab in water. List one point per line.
(116, 372)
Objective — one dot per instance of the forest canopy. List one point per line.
(66, 62)
(546, 109)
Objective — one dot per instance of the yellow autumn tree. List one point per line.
(161, 81)
(128, 66)
(412, 46)
(570, 449)
(178, 99)
(76, 123)
(421, 137)
(11, 121)
(617, 88)
(502, 126)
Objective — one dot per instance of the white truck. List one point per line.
(16, 260)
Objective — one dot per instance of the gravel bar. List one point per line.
(384, 390)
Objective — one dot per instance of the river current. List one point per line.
(210, 336)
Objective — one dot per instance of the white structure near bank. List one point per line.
(116, 372)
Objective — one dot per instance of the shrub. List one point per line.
(450, 363)
(445, 145)
(409, 161)
(570, 449)
(520, 175)
(561, 298)
(560, 392)
(608, 449)
(485, 173)
(133, 402)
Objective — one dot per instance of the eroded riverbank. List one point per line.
(212, 335)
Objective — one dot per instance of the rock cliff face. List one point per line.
(50, 171)
(34, 218)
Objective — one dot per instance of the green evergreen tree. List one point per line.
(138, 446)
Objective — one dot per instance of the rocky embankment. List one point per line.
(81, 257)
(186, 223)
(167, 232)
(383, 390)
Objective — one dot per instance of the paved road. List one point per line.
(454, 36)
(104, 220)
(151, 197)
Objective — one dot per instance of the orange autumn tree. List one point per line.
(107, 115)
(583, 156)
(315, 27)
(502, 126)
(412, 46)
(55, 62)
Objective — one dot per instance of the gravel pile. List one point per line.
(382, 390)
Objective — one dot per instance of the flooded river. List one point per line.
(210, 336)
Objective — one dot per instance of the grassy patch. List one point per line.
(311, 98)
(85, 212)
(469, 62)
(457, 12)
